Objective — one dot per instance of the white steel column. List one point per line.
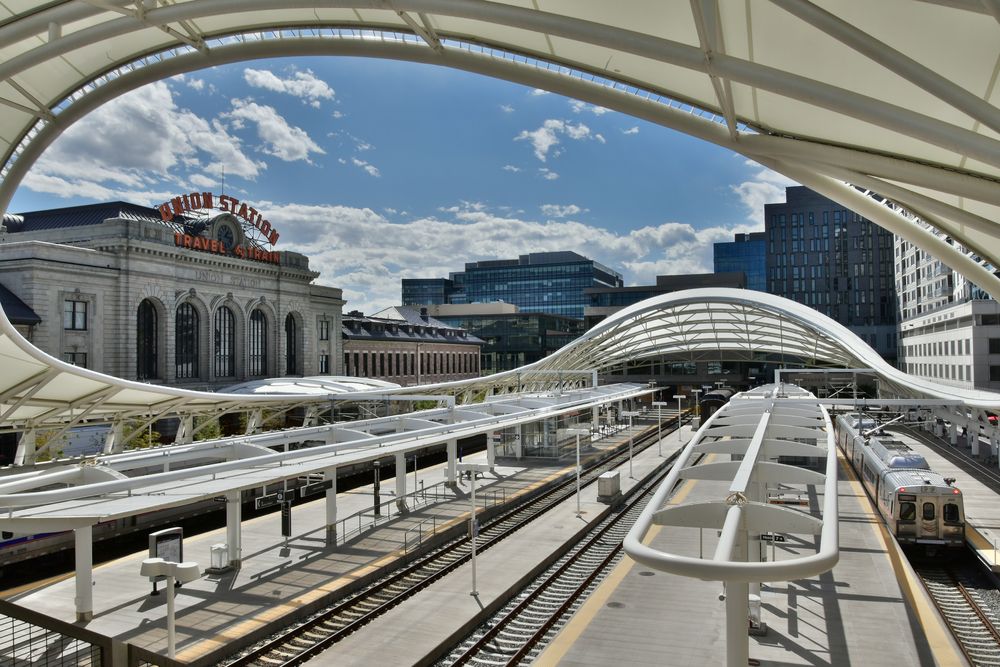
(234, 532)
(331, 507)
(452, 461)
(953, 433)
(491, 450)
(84, 600)
(519, 441)
(25, 454)
(401, 481)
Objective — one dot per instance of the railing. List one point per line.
(361, 522)
(427, 528)
(30, 638)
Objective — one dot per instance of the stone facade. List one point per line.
(105, 270)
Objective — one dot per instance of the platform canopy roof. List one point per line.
(39, 391)
(896, 97)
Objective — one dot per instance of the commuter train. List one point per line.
(712, 401)
(918, 505)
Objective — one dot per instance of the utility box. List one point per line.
(609, 487)
(219, 556)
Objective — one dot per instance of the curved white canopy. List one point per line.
(740, 325)
(898, 97)
(39, 391)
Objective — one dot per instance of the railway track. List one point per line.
(958, 592)
(305, 640)
(520, 631)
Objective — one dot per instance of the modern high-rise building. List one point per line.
(949, 328)
(746, 253)
(835, 261)
(540, 282)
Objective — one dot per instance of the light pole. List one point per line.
(375, 489)
(630, 446)
(679, 398)
(181, 572)
(659, 426)
(578, 432)
(473, 469)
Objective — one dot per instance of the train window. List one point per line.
(907, 511)
(951, 512)
(928, 511)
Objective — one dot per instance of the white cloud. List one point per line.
(168, 147)
(347, 245)
(766, 187)
(632, 130)
(370, 169)
(511, 168)
(506, 108)
(579, 106)
(558, 211)
(538, 92)
(202, 181)
(303, 85)
(547, 136)
(338, 114)
(197, 84)
(548, 174)
(279, 139)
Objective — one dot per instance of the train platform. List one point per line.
(982, 509)
(869, 610)
(281, 580)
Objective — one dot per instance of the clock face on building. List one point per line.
(226, 236)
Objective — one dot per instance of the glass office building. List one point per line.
(543, 282)
(746, 253)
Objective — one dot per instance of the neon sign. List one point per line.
(206, 200)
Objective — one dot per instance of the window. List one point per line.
(291, 339)
(324, 330)
(950, 513)
(257, 344)
(929, 511)
(75, 315)
(324, 364)
(76, 358)
(147, 360)
(907, 511)
(186, 337)
(994, 345)
(225, 342)
(994, 373)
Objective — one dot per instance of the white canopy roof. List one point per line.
(898, 97)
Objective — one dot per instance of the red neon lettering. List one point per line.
(195, 200)
(265, 227)
(273, 238)
(178, 205)
(206, 200)
(243, 211)
(178, 238)
(188, 240)
(165, 212)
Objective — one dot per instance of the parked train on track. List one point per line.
(917, 505)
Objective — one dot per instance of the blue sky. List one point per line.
(380, 170)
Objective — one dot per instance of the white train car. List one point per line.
(918, 505)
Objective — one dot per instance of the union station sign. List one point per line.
(223, 234)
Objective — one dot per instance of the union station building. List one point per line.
(189, 294)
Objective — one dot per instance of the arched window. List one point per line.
(257, 344)
(186, 341)
(147, 361)
(225, 343)
(291, 365)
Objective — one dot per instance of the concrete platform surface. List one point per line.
(866, 611)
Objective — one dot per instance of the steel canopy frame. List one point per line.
(911, 117)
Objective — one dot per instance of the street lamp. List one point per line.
(578, 432)
(679, 397)
(659, 426)
(183, 573)
(375, 489)
(473, 469)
